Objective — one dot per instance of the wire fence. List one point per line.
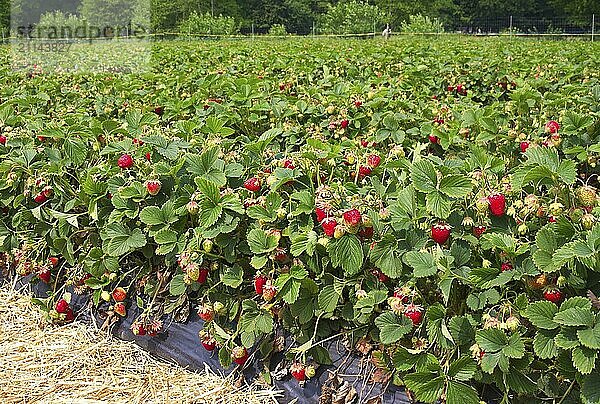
(554, 28)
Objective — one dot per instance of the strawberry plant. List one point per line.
(443, 225)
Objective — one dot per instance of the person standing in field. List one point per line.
(386, 32)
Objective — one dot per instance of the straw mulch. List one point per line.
(41, 363)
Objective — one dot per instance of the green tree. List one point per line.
(351, 17)
(115, 14)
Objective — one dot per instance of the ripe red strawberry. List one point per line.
(344, 123)
(289, 164)
(321, 214)
(119, 294)
(357, 103)
(239, 355)
(553, 295)
(148, 156)
(252, 184)
(364, 171)
(153, 187)
(506, 266)
(450, 89)
(440, 232)
(209, 343)
(137, 142)
(159, 111)
(206, 313)
(40, 198)
(53, 261)
(70, 316)
(2, 139)
(364, 143)
(497, 204)
(259, 284)
(280, 255)
(373, 160)
(524, 146)
(434, 139)
(298, 371)
(137, 328)
(120, 309)
(41, 138)
(48, 191)
(62, 306)
(352, 217)
(478, 231)
(329, 224)
(366, 232)
(125, 161)
(202, 275)
(402, 294)
(45, 275)
(414, 313)
(552, 127)
(379, 275)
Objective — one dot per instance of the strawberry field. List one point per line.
(431, 204)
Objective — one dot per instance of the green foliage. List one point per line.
(198, 24)
(422, 24)
(59, 25)
(353, 17)
(446, 320)
(277, 30)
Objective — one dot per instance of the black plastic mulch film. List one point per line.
(179, 343)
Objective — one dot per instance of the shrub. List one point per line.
(422, 24)
(59, 25)
(206, 24)
(277, 30)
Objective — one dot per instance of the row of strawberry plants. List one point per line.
(447, 228)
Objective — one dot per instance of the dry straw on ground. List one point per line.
(41, 363)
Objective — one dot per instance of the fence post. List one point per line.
(374, 33)
(510, 29)
(593, 23)
(313, 29)
(253, 31)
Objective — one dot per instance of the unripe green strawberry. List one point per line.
(219, 308)
(105, 296)
(586, 195)
(339, 232)
(269, 292)
(193, 207)
(587, 221)
(561, 281)
(192, 271)
(512, 323)
(555, 208)
(482, 205)
(207, 245)
(310, 371)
